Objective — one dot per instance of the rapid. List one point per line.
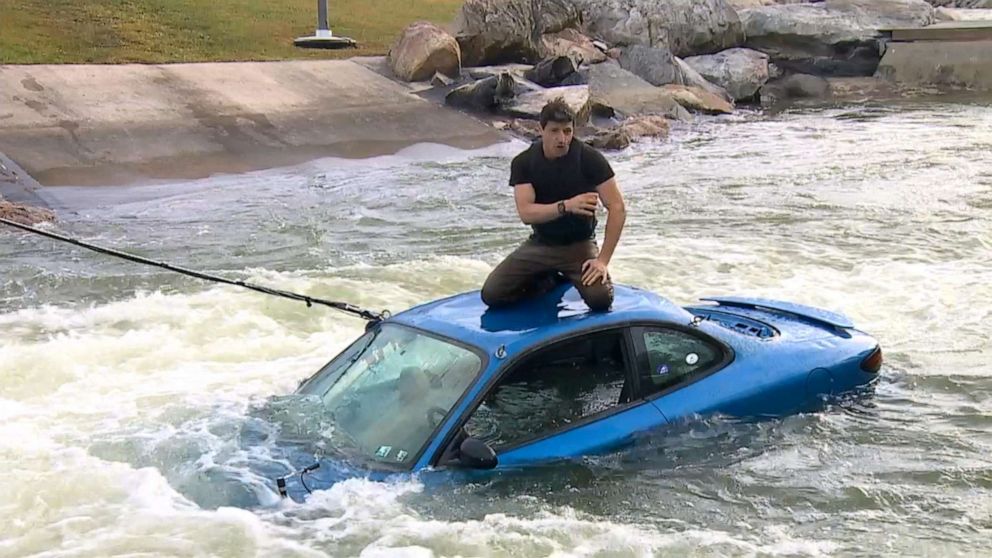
(129, 395)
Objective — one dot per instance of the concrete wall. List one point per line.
(86, 124)
(940, 63)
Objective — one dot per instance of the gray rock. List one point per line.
(697, 99)
(498, 31)
(653, 64)
(649, 126)
(529, 105)
(689, 76)
(423, 50)
(796, 86)
(686, 27)
(628, 95)
(962, 3)
(552, 71)
(610, 139)
(571, 43)
(882, 14)
(740, 71)
(483, 95)
(837, 37)
(441, 80)
(526, 128)
(964, 14)
(488, 71)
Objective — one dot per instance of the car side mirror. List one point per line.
(476, 454)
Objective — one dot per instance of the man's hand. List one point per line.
(583, 204)
(594, 270)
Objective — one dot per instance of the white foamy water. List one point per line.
(129, 396)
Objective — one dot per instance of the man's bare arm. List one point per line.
(536, 213)
(612, 199)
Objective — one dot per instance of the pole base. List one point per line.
(325, 41)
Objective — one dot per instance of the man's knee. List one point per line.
(492, 297)
(598, 298)
(496, 292)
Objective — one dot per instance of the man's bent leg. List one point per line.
(516, 276)
(598, 296)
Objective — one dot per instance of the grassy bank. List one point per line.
(112, 31)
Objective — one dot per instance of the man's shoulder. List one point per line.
(528, 152)
(587, 149)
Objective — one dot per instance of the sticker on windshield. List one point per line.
(383, 451)
(662, 369)
(401, 455)
(691, 358)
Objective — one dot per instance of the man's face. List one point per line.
(556, 138)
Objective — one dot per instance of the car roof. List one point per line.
(464, 317)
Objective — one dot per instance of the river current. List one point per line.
(125, 391)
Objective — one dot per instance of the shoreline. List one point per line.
(123, 124)
(168, 122)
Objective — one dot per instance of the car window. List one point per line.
(552, 390)
(388, 392)
(674, 357)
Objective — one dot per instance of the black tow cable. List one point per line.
(309, 300)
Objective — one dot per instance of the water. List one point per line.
(131, 398)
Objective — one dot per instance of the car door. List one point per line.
(677, 370)
(574, 397)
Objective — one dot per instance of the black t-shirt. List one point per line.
(554, 180)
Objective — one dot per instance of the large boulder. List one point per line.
(423, 50)
(882, 14)
(655, 65)
(687, 27)
(571, 43)
(553, 71)
(835, 38)
(962, 3)
(498, 31)
(963, 14)
(698, 99)
(740, 71)
(689, 76)
(658, 66)
(529, 105)
(628, 95)
(746, 4)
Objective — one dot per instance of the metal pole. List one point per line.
(323, 30)
(323, 37)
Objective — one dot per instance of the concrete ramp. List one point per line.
(115, 124)
(16, 185)
(953, 54)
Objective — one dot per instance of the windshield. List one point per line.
(390, 389)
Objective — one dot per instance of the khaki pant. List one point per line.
(527, 272)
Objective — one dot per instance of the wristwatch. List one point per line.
(561, 207)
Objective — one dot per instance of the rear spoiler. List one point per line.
(816, 314)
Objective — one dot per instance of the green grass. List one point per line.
(157, 31)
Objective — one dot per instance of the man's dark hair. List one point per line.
(557, 110)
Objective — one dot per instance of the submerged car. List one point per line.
(453, 385)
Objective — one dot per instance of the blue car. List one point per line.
(452, 386)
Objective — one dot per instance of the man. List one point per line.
(557, 185)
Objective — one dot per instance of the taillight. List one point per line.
(873, 362)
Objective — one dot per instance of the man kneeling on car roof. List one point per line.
(558, 183)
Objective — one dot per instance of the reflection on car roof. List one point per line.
(464, 317)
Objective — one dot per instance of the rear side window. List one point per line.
(675, 357)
